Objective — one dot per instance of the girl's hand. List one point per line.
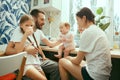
(44, 58)
(29, 31)
(42, 54)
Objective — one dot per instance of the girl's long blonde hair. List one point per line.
(25, 18)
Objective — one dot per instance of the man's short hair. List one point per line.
(35, 12)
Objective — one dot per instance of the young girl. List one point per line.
(23, 41)
(67, 40)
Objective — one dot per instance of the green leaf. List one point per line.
(101, 24)
(97, 22)
(102, 17)
(105, 26)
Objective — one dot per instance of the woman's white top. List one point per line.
(94, 42)
(17, 36)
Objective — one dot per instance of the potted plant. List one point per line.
(101, 19)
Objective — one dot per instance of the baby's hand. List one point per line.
(63, 39)
(60, 40)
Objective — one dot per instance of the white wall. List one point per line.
(58, 17)
(54, 25)
(65, 10)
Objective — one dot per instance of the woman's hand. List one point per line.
(69, 58)
(72, 59)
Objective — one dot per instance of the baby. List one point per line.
(67, 40)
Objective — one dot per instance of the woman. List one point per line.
(93, 47)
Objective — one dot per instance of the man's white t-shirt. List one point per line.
(94, 42)
(17, 36)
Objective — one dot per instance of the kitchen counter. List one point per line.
(115, 53)
(55, 49)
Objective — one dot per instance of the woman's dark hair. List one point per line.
(86, 12)
(35, 12)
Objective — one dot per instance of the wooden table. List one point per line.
(1, 53)
(115, 53)
(115, 58)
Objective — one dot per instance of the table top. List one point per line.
(1, 53)
(115, 53)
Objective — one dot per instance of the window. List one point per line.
(116, 15)
(93, 5)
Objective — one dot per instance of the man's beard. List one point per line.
(38, 26)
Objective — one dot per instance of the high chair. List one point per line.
(8, 64)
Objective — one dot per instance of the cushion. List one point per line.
(9, 76)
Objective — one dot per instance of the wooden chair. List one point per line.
(9, 64)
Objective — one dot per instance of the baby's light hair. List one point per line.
(66, 24)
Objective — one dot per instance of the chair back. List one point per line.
(11, 63)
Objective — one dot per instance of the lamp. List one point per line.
(50, 20)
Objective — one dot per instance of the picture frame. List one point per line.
(35, 3)
(46, 1)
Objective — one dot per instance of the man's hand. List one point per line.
(31, 50)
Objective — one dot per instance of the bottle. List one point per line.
(116, 41)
